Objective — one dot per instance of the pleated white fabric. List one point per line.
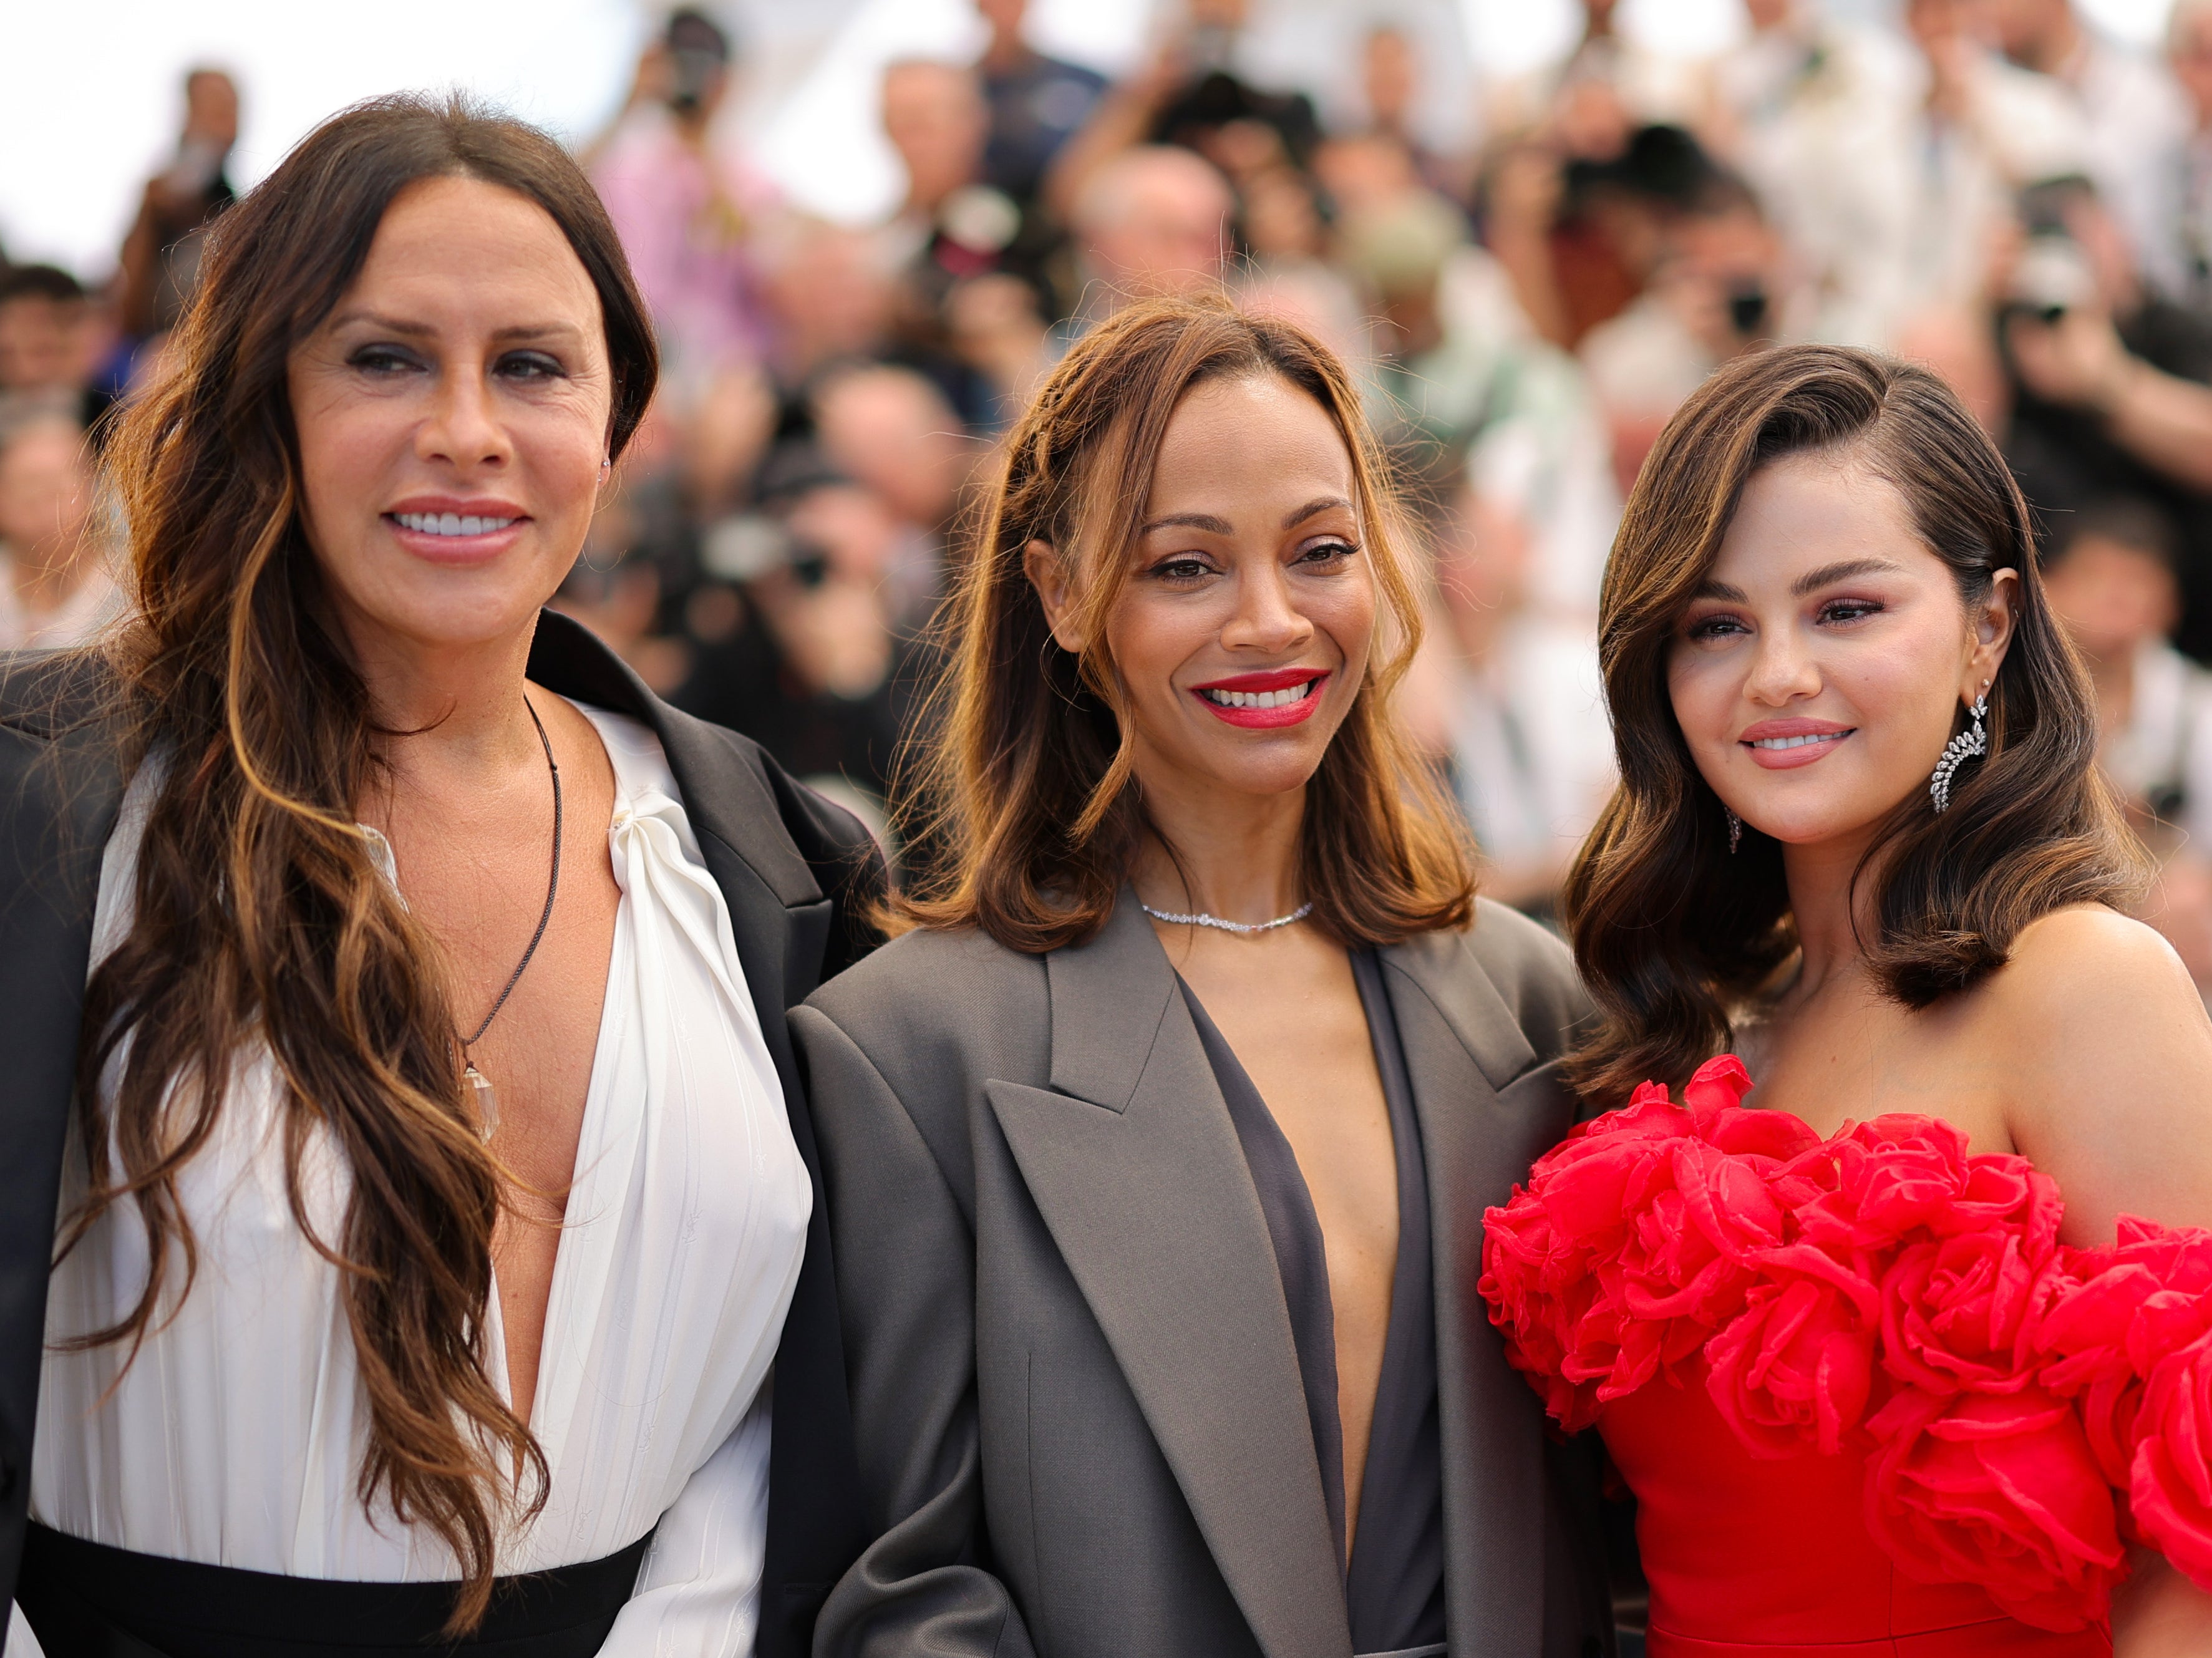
(235, 1435)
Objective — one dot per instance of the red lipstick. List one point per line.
(1304, 684)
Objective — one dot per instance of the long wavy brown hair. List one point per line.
(259, 919)
(1670, 929)
(1024, 794)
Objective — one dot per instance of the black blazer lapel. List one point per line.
(770, 846)
(58, 796)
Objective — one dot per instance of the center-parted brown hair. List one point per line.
(260, 917)
(1670, 929)
(1024, 793)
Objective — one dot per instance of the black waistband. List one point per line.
(87, 1600)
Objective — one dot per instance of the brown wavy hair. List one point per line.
(259, 918)
(1023, 793)
(1670, 930)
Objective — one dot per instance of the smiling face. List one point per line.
(1243, 632)
(1817, 675)
(452, 415)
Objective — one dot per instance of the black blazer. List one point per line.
(797, 872)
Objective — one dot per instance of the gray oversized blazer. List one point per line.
(1078, 1405)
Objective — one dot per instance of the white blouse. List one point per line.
(236, 1435)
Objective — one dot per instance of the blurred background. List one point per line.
(867, 227)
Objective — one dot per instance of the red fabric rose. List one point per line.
(1637, 1238)
(1888, 1179)
(1538, 1251)
(1795, 1366)
(2171, 1491)
(1960, 1307)
(2000, 1490)
(2116, 1312)
(1538, 1290)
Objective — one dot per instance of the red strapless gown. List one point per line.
(1867, 1402)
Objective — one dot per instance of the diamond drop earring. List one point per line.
(1970, 744)
(1736, 830)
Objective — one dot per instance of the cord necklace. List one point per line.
(487, 1101)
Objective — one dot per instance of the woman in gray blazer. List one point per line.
(1156, 1149)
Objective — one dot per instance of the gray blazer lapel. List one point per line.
(1462, 1046)
(1135, 1167)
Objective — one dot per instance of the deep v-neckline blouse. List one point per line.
(236, 1437)
(1394, 1581)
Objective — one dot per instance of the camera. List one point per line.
(2051, 277)
(749, 545)
(1748, 308)
(698, 55)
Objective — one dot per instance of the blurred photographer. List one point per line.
(2109, 573)
(1724, 284)
(2111, 385)
(2110, 577)
(161, 258)
(792, 639)
(687, 204)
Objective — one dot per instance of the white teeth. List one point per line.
(450, 523)
(1261, 699)
(1798, 742)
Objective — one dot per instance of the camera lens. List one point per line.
(1748, 309)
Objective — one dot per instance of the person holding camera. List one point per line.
(687, 209)
(1723, 285)
(2111, 384)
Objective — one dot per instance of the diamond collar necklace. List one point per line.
(1201, 919)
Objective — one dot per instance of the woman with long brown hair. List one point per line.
(1880, 1343)
(1155, 1150)
(430, 1162)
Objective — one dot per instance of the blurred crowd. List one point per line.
(1987, 186)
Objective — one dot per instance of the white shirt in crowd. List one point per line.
(236, 1435)
(1531, 748)
(2162, 755)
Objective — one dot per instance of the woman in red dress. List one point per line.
(1907, 1350)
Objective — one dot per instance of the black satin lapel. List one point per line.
(732, 812)
(57, 807)
(781, 921)
(1492, 1441)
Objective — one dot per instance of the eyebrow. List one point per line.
(1206, 521)
(1811, 582)
(1221, 526)
(1842, 570)
(1318, 504)
(537, 331)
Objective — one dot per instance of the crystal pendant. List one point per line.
(487, 1101)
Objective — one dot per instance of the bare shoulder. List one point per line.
(2077, 971)
(2094, 1007)
(2100, 1045)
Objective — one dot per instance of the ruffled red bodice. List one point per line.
(2010, 1410)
